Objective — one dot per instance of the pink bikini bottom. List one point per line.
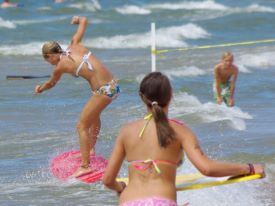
(151, 201)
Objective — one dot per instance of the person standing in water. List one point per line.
(78, 61)
(226, 74)
(7, 4)
(154, 146)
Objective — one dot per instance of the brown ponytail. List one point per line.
(156, 92)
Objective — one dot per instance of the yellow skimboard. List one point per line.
(198, 181)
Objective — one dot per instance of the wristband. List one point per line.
(251, 169)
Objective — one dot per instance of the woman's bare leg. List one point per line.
(90, 115)
(94, 131)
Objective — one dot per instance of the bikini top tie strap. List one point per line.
(147, 119)
(149, 162)
(67, 52)
(154, 162)
(85, 59)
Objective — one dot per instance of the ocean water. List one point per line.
(35, 128)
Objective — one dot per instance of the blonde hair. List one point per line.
(227, 55)
(51, 47)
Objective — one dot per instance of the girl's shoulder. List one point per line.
(133, 124)
(132, 127)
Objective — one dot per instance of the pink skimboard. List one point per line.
(65, 164)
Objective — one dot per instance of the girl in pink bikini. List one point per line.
(154, 146)
(78, 61)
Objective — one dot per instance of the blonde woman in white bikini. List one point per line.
(78, 61)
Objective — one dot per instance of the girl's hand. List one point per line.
(231, 102)
(123, 186)
(259, 169)
(75, 20)
(219, 100)
(37, 89)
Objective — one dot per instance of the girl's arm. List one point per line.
(214, 168)
(114, 165)
(82, 25)
(233, 82)
(217, 84)
(57, 73)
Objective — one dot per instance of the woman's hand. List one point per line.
(37, 89)
(259, 169)
(122, 187)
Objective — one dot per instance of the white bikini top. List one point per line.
(85, 59)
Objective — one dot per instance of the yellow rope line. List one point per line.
(212, 46)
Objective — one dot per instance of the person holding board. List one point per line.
(154, 147)
(78, 61)
(226, 74)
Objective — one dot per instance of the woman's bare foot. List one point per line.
(82, 171)
(92, 151)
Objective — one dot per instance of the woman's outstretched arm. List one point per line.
(56, 75)
(214, 168)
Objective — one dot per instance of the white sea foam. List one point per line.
(253, 8)
(187, 31)
(44, 8)
(7, 24)
(185, 104)
(132, 9)
(247, 62)
(244, 194)
(48, 20)
(39, 21)
(258, 8)
(173, 36)
(184, 71)
(23, 49)
(32, 48)
(97, 4)
(166, 37)
(208, 5)
(89, 6)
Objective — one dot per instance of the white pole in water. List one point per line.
(153, 46)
